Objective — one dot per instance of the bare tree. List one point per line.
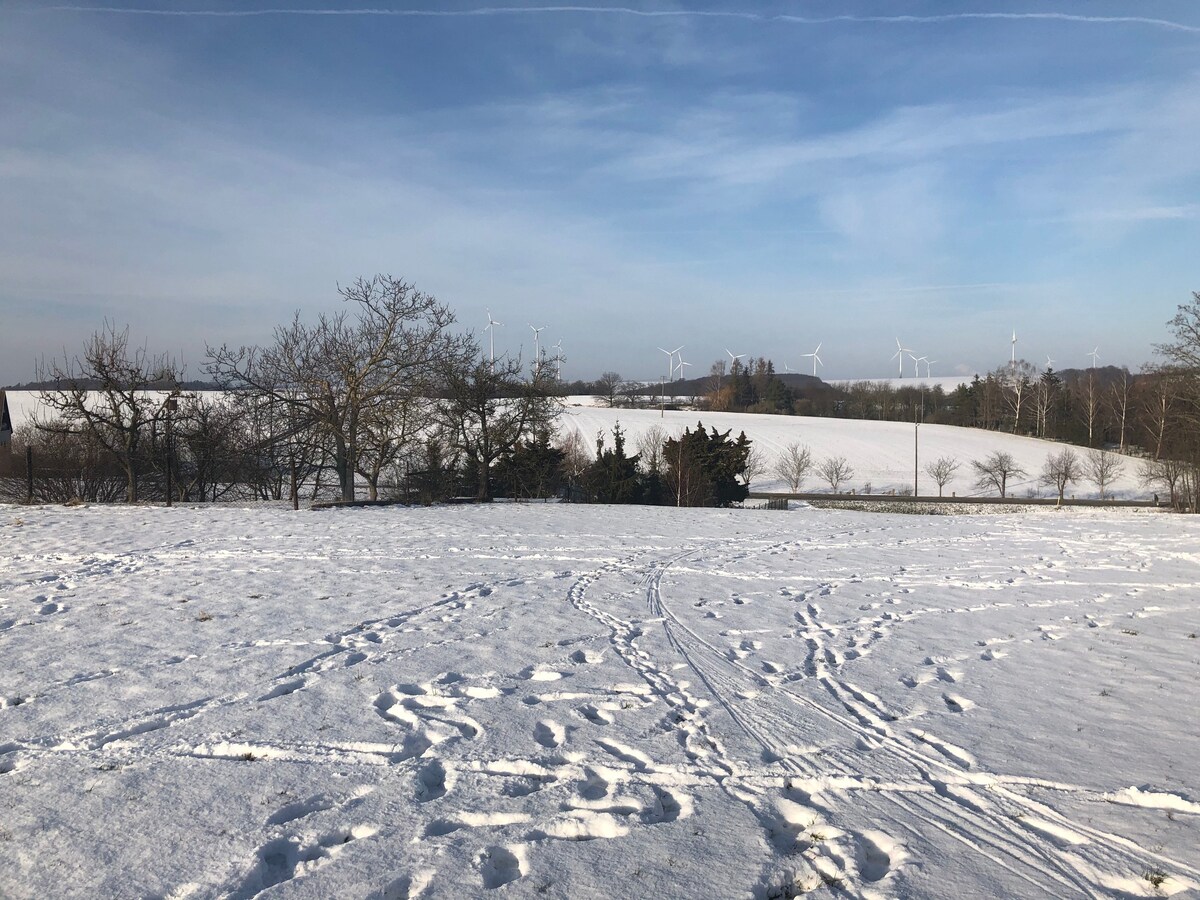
(577, 456)
(836, 471)
(1184, 350)
(650, 449)
(343, 377)
(1018, 382)
(794, 464)
(942, 471)
(109, 395)
(488, 408)
(1102, 469)
(608, 387)
(1088, 397)
(756, 465)
(1119, 397)
(995, 471)
(1060, 469)
(1167, 474)
(1160, 397)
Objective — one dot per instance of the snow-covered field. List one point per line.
(545, 700)
(948, 383)
(881, 453)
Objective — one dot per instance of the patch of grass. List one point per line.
(248, 756)
(205, 616)
(1155, 877)
(1129, 631)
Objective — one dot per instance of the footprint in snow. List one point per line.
(433, 781)
(877, 855)
(499, 866)
(957, 703)
(549, 734)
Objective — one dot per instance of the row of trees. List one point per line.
(386, 393)
(382, 391)
(993, 473)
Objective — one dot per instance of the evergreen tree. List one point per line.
(532, 471)
(613, 477)
(703, 467)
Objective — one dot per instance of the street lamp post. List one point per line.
(170, 405)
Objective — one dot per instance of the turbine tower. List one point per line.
(1095, 355)
(558, 358)
(682, 363)
(491, 327)
(1013, 363)
(815, 358)
(900, 351)
(537, 356)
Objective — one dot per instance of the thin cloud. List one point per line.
(645, 13)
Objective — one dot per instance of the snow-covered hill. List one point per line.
(881, 453)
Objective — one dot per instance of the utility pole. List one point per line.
(170, 406)
(916, 442)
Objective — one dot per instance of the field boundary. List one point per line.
(822, 497)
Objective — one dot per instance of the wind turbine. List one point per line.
(536, 346)
(491, 327)
(1013, 363)
(815, 358)
(733, 358)
(900, 351)
(1049, 363)
(917, 360)
(558, 356)
(671, 361)
(682, 363)
(928, 371)
(1095, 355)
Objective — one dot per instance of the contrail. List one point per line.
(643, 13)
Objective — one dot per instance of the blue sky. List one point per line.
(759, 177)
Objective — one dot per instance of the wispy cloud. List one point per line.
(937, 19)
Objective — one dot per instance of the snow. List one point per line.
(575, 701)
(948, 383)
(881, 453)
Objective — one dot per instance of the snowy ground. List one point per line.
(542, 700)
(881, 453)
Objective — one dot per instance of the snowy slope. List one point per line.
(947, 383)
(881, 453)
(544, 700)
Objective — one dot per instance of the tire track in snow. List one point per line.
(1003, 831)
